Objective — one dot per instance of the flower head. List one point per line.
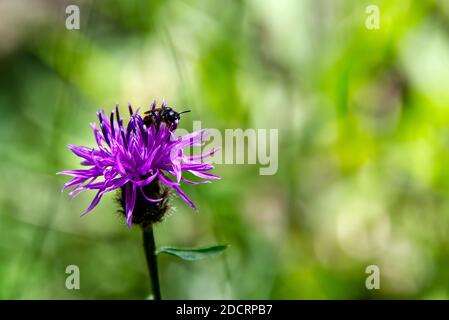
(143, 159)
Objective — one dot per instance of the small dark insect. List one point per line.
(164, 114)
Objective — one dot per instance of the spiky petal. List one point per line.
(134, 156)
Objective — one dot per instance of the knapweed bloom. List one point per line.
(143, 159)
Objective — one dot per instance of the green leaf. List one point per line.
(194, 254)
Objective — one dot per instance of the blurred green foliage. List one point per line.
(363, 146)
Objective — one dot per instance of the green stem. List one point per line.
(150, 253)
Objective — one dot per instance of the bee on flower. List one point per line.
(143, 159)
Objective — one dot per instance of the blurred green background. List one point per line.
(363, 146)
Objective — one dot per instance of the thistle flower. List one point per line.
(144, 159)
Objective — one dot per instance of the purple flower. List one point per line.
(138, 158)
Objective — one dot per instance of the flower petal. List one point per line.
(184, 197)
(147, 198)
(130, 203)
(205, 175)
(164, 179)
(195, 182)
(146, 181)
(93, 203)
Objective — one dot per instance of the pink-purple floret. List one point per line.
(132, 157)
